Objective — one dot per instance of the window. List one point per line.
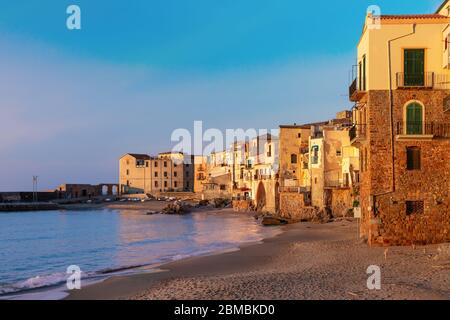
(165, 184)
(128, 161)
(146, 164)
(293, 158)
(156, 164)
(414, 67)
(156, 174)
(315, 155)
(364, 74)
(338, 153)
(414, 118)
(414, 207)
(165, 174)
(187, 174)
(299, 135)
(156, 184)
(128, 172)
(223, 187)
(269, 153)
(175, 174)
(165, 164)
(175, 184)
(140, 163)
(413, 158)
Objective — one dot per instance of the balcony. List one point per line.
(357, 90)
(295, 189)
(262, 177)
(411, 130)
(415, 80)
(336, 184)
(357, 133)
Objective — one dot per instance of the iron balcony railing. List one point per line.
(436, 129)
(295, 189)
(352, 133)
(337, 184)
(358, 131)
(357, 88)
(352, 89)
(414, 80)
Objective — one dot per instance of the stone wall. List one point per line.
(390, 225)
(292, 206)
(341, 202)
(242, 205)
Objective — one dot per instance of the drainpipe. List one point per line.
(391, 113)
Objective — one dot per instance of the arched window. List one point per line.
(414, 121)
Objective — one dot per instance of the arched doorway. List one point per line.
(260, 197)
(277, 197)
(114, 190)
(104, 190)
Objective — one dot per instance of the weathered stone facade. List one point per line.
(387, 184)
(341, 201)
(292, 206)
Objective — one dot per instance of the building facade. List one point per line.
(168, 172)
(402, 127)
(317, 168)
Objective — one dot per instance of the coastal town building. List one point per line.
(218, 181)
(200, 165)
(318, 168)
(168, 172)
(402, 127)
(262, 169)
(74, 191)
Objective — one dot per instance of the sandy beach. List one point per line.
(306, 261)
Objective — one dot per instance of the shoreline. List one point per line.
(305, 261)
(100, 275)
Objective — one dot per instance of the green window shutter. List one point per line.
(414, 68)
(414, 119)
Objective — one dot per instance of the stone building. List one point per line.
(218, 182)
(318, 168)
(262, 170)
(168, 172)
(74, 191)
(402, 127)
(200, 166)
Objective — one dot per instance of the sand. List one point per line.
(306, 261)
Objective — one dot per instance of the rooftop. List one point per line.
(413, 16)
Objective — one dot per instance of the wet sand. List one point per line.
(307, 261)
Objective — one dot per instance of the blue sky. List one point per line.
(73, 101)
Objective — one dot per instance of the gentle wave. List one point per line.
(128, 242)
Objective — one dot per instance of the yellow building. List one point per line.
(318, 167)
(402, 127)
(200, 173)
(168, 172)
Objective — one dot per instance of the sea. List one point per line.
(38, 250)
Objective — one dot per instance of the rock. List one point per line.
(203, 203)
(273, 221)
(323, 216)
(221, 202)
(176, 208)
(152, 213)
